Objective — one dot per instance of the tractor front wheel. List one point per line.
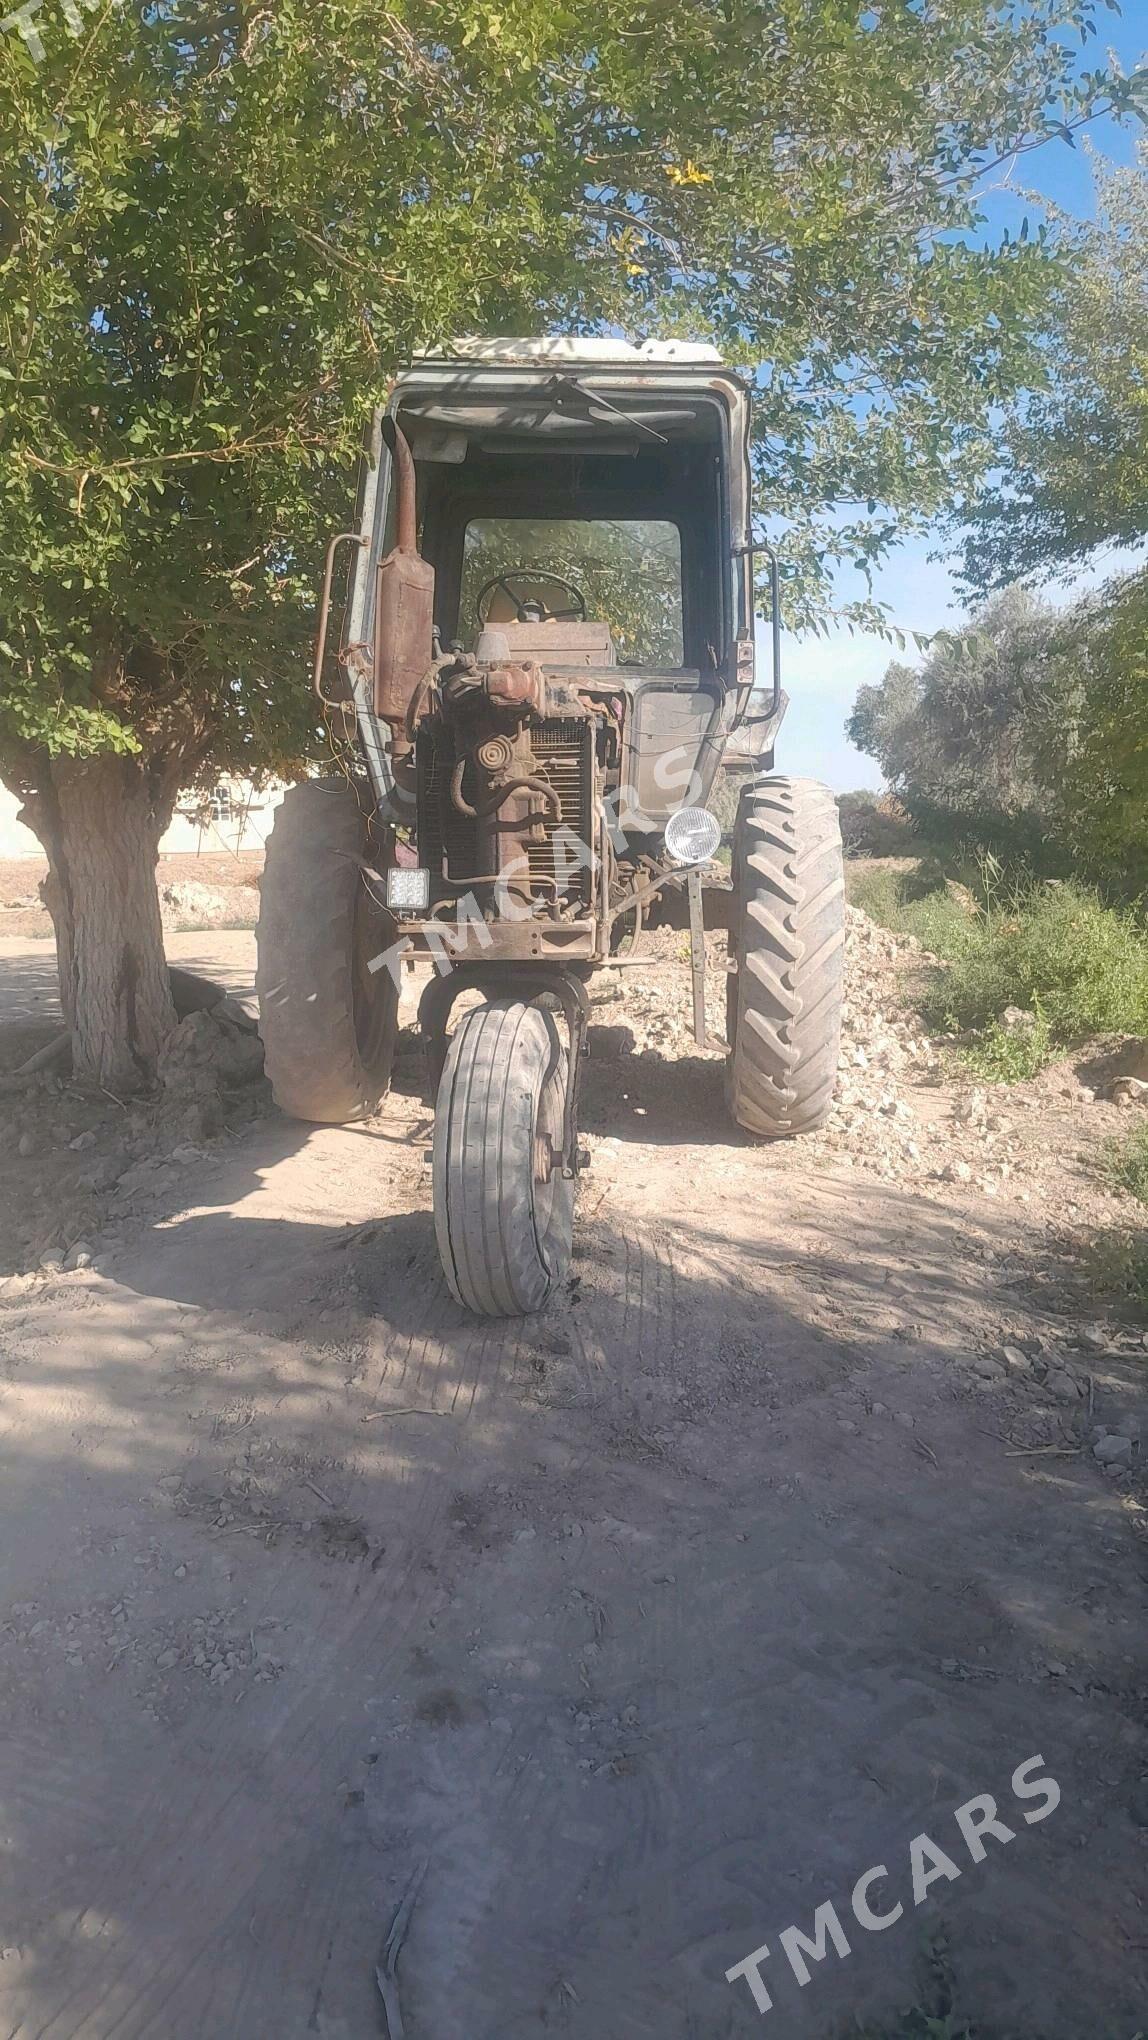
(328, 1022)
(503, 1210)
(788, 943)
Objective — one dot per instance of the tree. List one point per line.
(982, 731)
(1105, 780)
(221, 229)
(884, 718)
(1074, 452)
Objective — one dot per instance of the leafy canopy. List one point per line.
(222, 229)
(1074, 458)
(981, 728)
(1075, 455)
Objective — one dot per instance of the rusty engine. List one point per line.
(506, 763)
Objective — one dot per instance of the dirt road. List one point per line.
(648, 1625)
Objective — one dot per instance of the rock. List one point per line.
(166, 1659)
(100, 1175)
(1016, 1361)
(606, 1044)
(79, 1255)
(203, 1118)
(1129, 1091)
(1113, 1451)
(206, 1048)
(956, 1172)
(82, 1141)
(1093, 1338)
(1062, 1385)
(52, 1261)
(903, 1417)
(185, 1154)
(26, 1145)
(988, 1367)
(1138, 1803)
(1017, 1020)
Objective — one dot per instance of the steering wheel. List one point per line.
(576, 612)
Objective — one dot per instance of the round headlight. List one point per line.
(692, 835)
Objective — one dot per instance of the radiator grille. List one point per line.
(565, 757)
(565, 753)
(446, 838)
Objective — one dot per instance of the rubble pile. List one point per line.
(208, 1055)
(654, 1004)
(186, 904)
(895, 1115)
(93, 1159)
(904, 1111)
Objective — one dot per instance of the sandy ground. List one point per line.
(647, 1626)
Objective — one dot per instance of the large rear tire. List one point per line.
(328, 1022)
(788, 941)
(503, 1211)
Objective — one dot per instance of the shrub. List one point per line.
(1124, 1162)
(873, 826)
(1056, 946)
(1054, 950)
(941, 920)
(1007, 1054)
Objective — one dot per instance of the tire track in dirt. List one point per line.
(349, 1653)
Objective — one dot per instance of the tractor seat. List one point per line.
(559, 642)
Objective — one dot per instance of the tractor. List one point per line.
(545, 657)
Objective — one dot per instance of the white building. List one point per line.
(234, 816)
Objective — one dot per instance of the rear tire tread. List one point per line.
(789, 933)
(305, 939)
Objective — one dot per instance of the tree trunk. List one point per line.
(100, 821)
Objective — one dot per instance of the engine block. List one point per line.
(448, 839)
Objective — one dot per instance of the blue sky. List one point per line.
(822, 675)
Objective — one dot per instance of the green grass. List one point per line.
(938, 919)
(1053, 950)
(1124, 1163)
(937, 2017)
(1009, 1055)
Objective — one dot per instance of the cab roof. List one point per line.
(574, 349)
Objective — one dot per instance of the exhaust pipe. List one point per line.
(404, 606)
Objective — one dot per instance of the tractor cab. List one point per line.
(585, 507)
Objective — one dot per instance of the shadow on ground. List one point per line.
(649, 1624)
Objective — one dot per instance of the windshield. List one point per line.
(628, 570)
